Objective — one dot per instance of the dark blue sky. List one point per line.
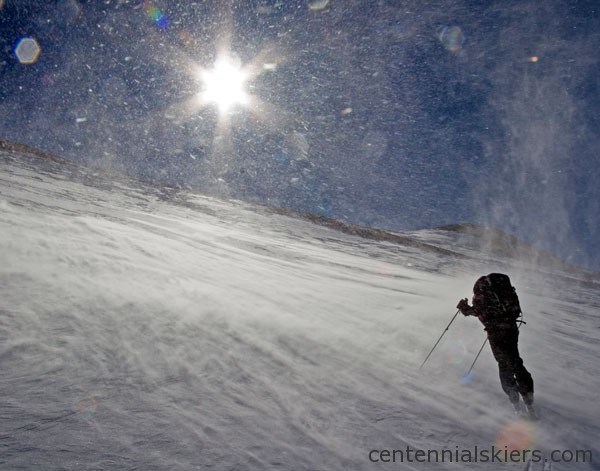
(399, 115)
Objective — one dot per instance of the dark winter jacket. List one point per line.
(487, 308)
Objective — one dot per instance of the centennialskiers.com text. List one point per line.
(478, 455)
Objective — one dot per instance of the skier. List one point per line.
(496, 305)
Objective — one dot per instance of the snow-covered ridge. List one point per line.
(145, 327)
(478, 240)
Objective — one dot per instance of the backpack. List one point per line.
(500, 297)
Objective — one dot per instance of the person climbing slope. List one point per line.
(496, 305)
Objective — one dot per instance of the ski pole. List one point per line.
(478, 353)
(436, 343)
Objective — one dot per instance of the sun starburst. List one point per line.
(224, 85)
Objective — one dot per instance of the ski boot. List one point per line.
(516, 403)
(529, 410)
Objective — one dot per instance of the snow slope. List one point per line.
(153, 329)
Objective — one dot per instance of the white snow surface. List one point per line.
(145, 328)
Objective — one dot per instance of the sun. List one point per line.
(223, 95)
(224, 85)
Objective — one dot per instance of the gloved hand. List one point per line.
(463, 306)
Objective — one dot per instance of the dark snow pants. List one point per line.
(515, 379)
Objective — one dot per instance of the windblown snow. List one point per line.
(154, 329)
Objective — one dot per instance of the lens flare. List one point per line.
(156, 15)
(518, 435)
(86, 408)
(452, 37)
(318, 5)
(27, 50)
(455, 352)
